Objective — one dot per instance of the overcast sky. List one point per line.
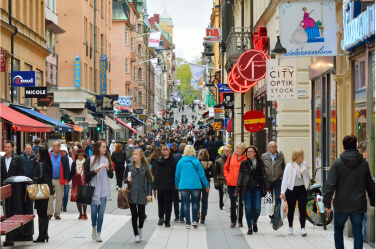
(190, 18)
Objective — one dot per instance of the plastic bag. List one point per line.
(268, 200)
(277, 222)
(283, 209)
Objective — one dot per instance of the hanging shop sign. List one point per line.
(358, 27)
(138, 111)
(23, 78)
(217, 126)
(47, 101)
(124, 101)
(308, 28)
(35, 92)
(234, 87)
(229, 125)
(261, 39)
(3, 63)
(103, 74)
(254, 121)
(105, 103)
(213, 35)
(251, 65)
(218, 113)
(77, 71)
(281, 79)
(223, 88)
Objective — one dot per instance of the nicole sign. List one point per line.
(23, 78)
(308, 28)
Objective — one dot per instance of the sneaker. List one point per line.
(160, 222)
(140, 233)
(181, 221)
(188, 226)
(255, 229)
(98, 237)
(250, 232)
(303, 232)
(94, 232)
(137, 239)
(80, 217)
(233, 225)
(64, 209)
(202, 220)
(195, 224)
(240, 224)
(84, 216)
(290, 231)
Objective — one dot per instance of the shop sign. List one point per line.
(217, 126)
(358, 28)
(77, 72)
(105, 103)
(23, 78)
(254, 121)
(124, 101)
(281, 79)
(218, 113)
(35, 92)
(308, 28)
(223, 88)
(47, 101)
(138, 111)
(251, 65)
(302, 93)
(213, 35)
(142, 117)
(3, 63)
(103, 74)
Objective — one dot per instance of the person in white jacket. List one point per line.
(294, 185)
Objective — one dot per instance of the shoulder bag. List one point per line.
(38, 191)
(123, 198)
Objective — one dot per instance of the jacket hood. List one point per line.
(188, 158)
(351, 158)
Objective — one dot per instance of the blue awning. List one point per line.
(138, 120)
(45, 119)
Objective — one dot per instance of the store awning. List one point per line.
(112, 124)
(139, 120)
(76, 128)
(22, 122)
(81, 113)
(127, 126)
(45, 119)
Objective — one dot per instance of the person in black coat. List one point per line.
(163, 170)
(198, 142)
(43, 175)
(11, 164)
(77, 174)
(118, 157)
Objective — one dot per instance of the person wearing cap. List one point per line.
(60, 178)
(65, 152)
(77, 174)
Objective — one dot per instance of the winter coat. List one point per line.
(163, 171)
(128, 152)
(16, 168)
(140, 187)
(198, 143)
(231, 169)
(118, 158)
(219, 178)
(208, 169)
(218, 144)
(190, 174)
(350, 178)
(274, 170)
(178, 156)
(29, 163)
(43, 174)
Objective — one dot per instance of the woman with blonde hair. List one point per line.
(136, 175)
(98, 172)
(207, 165)
(189, 178)
(294, 184)
(118, 158)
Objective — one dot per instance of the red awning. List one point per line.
(121, 122)
(22, 122)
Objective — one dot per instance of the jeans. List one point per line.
(203, 198)
(176, 204)
(188, 195)
(138, 213)
(339, 224)
(97, 214)
(165, 204)
(220, 190)
(66, 195)
(298, 193)
(252, 205)
(276, 186)
(233, 200)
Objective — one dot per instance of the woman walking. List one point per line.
(294, 184)
(231, 173)
(77, 174)
(98, 173)
(208, 167)
(43, 175)
(189, 178)
(252, 185)
(118, 158)
(139, 180)
(156, 154)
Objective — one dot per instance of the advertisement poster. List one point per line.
(308, 28)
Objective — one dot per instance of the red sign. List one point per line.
(240, 81)
(236, 88)
(217, 110)
(261, 39)
(254, 121)
(217, 126)
(252, 65)
(229, 125)
(3, 63)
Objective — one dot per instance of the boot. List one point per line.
(42, 228)
(46, 220)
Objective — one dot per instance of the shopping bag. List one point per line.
(283, 209)
(277, 222)
(73, 195)
(268, 200)
(84, 194)
(123, 198)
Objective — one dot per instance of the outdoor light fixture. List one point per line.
(278, 48)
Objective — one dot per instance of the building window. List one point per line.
(140, 98)
(134, 73)
(126, 65)
(48, 40)
(139, 50)
(101, 8)
(126, 38)
(132, 45)
(139, 28)
(139, 75)
(102, 44)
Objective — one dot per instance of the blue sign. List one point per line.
(77, 72)
(124, 101)
(226, 121)
(23, 78)
(223, 88)
(103, 74)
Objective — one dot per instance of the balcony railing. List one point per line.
(238, 41)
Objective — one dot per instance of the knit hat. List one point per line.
(80, 151)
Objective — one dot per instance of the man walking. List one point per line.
(88, 147)
(29, 159)
(60, 178)
(11, 164)
(274, 163)
(129, 149)
(350, 178)
(219, 178)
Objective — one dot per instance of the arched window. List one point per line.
(139, 74)
(139, 50)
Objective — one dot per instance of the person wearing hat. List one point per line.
(77, 174)
(64, 152)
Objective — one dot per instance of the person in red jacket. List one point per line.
(231, 172)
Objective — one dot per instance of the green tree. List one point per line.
(187, 91)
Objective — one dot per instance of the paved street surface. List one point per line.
(69, 232)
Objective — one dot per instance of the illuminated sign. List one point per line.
(77, 72)
(103, 74)
(23, 78)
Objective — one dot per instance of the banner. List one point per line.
(154, 39)
(103, 74)
(23, 78)
(3, 63)
(194, 83)
(77, 72)
(281, 79)
(308, 28)
(177, 82)
(197, 71)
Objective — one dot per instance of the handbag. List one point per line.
(85, 194)
(73, 195)
(38, 191)
(277, 221)
(123, 198)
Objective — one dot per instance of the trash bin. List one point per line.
(20, 204)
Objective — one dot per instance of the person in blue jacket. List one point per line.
(189, 179)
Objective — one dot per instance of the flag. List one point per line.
(177, 82)
(154, 39)
(202, 82)
(197, 70)
(194, 83)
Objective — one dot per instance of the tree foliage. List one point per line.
(187, 91)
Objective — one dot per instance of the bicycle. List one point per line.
(316, 213)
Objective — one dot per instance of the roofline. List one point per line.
(135, 10)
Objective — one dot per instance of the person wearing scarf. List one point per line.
(294, 185)
(77, 175)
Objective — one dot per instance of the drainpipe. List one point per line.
(242, 94)
(95, 46)
(11, 47)
(251, 26)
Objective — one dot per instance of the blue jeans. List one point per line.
(276, 186)
(233, 200)
(204, 196)
(97, 213)
(66, 195)
(188, 195)
(339, 224)
(252, 205)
